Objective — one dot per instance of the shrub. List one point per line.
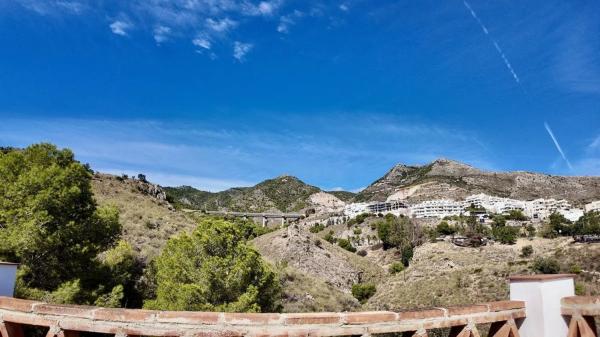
(527, 251)
(517, 215)
(346, 245)
(575, 269)
(396, 267)
(357, 231)
(318, 243)
(543, 265)
(361, 252)
(443, 228)
(363, 291)
(316, 228)
(329, 237)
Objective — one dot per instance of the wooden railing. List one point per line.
(581, 310)
(69, 321)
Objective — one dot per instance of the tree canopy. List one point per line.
(50, 223)
(214, 269)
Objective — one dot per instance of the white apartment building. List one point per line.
(542, 208)
(593, 206)
(354, 209)
(436, 208)
(494, 204)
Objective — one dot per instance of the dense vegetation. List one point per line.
(213, 269)
(49, 222)
(71, 250)
(398, 232)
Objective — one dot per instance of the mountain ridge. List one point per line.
(441, 178)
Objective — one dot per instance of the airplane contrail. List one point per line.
(557, 145)
(500, 52)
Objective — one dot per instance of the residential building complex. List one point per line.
(437, 209)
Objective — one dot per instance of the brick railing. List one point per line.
(69, 320)
(581, 310)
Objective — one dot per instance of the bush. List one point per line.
(516, 215)
(505, 234)
(363, 291)
(346, 245)
(527, 251)
(214, 269)
(575, 269)
(443, 228)
(543, 265)
(329, 237)
(357, 231)
(316, 228)
(318, 243)
(361, 252)
(396, 267)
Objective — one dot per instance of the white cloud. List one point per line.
(240, 50)
(201, 42)
(120, 27)
(161, 34)
(53, 7)
(344, 7)
(286, 21)
(220, 26)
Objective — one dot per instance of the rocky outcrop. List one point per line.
(450, 179)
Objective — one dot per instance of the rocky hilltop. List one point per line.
(445, 178)
(282, 194)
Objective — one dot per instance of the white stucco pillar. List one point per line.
(8, 275)
(542, 295)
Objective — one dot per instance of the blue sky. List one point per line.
(220, 93)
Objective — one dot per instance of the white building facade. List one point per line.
(437, 209)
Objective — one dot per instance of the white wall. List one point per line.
(542, 295)
(8, 274)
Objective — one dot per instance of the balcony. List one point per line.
(538, 308)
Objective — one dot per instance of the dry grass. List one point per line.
(147, 222)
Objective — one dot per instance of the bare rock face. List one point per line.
(324, 202)
(448, 179)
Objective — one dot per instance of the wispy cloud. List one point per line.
(161, 34)
(240, 49)
(286, 21)
(212, 154)
(120, 27)
(494, 42)
(558, 148)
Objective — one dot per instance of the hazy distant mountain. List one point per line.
(445, 178)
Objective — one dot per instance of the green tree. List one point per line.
(444, 228)
(505, 234)
(588, 224)
(517, 215)
(559, 225)
(214, 269)
(50, 223)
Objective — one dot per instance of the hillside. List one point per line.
(450, 179)
(284, 193)
(148, 219)
(318, 258)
